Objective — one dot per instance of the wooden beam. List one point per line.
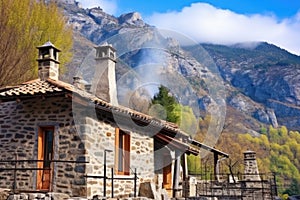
(216, 157)
(208, 148)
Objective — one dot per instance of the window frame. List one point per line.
(43, 138)
(122, 148)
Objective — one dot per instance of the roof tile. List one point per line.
(31, 88)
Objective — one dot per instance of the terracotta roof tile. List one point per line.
(30, 88)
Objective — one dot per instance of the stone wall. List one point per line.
(79, 135)
(100, 135)
(245, 190)
(19, 125)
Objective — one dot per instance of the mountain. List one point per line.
(260, 80)
(267, 75)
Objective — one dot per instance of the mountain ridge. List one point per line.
(261, 79)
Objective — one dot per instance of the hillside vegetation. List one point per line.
(278, 151)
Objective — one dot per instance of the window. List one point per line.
(122, 149)
(45, 154)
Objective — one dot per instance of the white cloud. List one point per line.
(109, 6)
(205, 23)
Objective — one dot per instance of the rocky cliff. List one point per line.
(261, 81)
(267, 74)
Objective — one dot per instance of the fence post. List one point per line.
(15, 174)
(104, 176)
(275, 185)
(135, 177)
(262, 189)
(112, 182)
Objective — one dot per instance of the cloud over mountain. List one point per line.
(206, 23)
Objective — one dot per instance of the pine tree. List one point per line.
(169, 103)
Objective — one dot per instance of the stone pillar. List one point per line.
(176, 176)
(251, 169)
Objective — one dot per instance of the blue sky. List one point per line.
(218, 21)
(281, 8)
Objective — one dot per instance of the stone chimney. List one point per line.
(48, 61)
(104, 80)
(251, 169)
(81, 84)
(78, 82)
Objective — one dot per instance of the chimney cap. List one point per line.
(79, 83)
(105, 45)
(249, 152)
(79, 79)
(47, 45)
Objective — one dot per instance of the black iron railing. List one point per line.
(16, 168)
(234, 185)
(112, 178)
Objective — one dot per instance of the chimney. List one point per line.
(48, 61)
(251, 169)
(78, 82)
(81, 84)
(104, 80)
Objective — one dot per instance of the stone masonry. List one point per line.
(19, 123)
(100, 135)
(77, 137)
(251, 169)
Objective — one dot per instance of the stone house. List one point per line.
(66, 139)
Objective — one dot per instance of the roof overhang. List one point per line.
(208, 148)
